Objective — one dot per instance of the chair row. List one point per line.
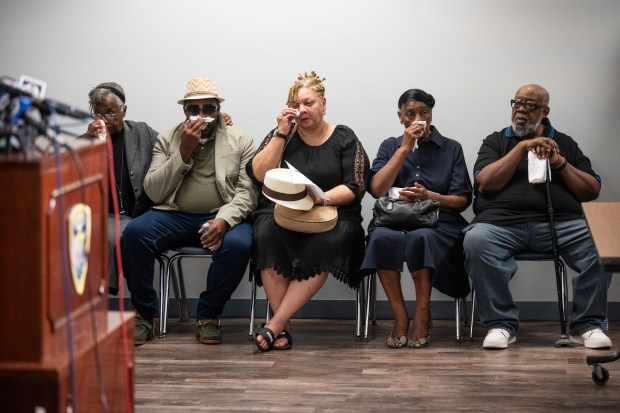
(171, 271)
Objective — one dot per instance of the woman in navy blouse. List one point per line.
(419, 165)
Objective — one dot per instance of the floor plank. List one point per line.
(329, 371)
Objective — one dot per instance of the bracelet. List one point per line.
(562, 165)
(325, 202)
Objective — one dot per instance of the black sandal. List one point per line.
(284, 334)
(267, 335)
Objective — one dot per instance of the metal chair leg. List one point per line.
(457, 317)
(163, 292)
(370, 303)
(252, 307)
(473, 311)
(373, 287)
(358, 313)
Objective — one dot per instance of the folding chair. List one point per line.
(561, 283)
(366, 303)
(172, 270)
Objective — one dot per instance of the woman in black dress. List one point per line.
(419, 165)
(293, 266)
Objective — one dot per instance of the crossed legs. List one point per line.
(286, 297)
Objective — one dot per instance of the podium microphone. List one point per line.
(44, 105)
(65, 110)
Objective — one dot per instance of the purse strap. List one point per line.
(290, 135)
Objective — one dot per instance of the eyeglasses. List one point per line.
(195, 110)
(528, 106)
(106, 116)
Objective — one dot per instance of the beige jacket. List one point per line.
(233, 150)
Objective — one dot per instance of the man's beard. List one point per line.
(525, 130)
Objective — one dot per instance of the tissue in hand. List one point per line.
(417, 122)
(537, 169)
(207, 120)
(102, 132)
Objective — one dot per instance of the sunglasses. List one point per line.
(195, 110)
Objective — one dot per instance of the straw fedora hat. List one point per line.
(279, 187)
(200, 88)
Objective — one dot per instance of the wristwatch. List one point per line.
(279, 134)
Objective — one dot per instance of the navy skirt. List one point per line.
(440, 249)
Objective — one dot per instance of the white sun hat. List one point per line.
(279, 187)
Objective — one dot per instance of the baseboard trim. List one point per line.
(345, 309)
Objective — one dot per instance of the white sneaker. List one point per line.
(594, 338)
(498, 338)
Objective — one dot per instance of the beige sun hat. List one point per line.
(200, 88)
(279, 187)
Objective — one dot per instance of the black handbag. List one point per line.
(402, 215)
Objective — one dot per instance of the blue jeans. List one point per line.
(489, 261)
(157, 231)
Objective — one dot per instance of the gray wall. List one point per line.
(471, 55)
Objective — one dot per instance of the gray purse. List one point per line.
(402, 215)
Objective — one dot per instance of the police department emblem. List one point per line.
(79, 223)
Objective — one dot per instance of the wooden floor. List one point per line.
(329, 371)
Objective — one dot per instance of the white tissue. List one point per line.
(102, 133)
(537, 169)
(207, 119)
(393, 192)
(417, 122)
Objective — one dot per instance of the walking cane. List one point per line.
(559, 277)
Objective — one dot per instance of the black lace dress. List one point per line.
(341, 159)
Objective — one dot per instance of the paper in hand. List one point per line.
(537, 169)
(299, 178)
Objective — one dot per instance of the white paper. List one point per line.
(299, 178)
(537, 169)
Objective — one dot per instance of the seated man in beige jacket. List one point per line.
(203, 197)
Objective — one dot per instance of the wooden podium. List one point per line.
(59, 346)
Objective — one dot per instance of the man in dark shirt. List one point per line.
(512, 216)
(132, 144)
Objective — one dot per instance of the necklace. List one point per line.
(319, 140)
